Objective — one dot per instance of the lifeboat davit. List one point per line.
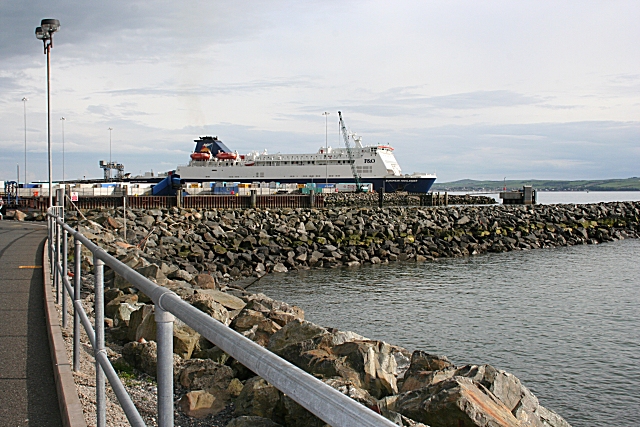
(226, 156)
(200, 156)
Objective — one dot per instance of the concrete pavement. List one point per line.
(27, 387)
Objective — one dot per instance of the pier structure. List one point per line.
(526, 196)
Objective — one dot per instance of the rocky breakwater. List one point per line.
(232, 244)
(189, 251)
(398, 199)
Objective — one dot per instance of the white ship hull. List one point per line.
(374, 164)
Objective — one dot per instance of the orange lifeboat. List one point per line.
(203, 156)
(227, 156)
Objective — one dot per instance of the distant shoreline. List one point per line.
(628, 184)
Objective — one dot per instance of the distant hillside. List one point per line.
(629, 184)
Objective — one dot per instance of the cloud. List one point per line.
(406, 101)
(571, 150)
(132, 30)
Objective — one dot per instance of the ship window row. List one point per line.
(308, 162)
(364, 169)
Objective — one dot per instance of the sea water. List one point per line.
(566, 321)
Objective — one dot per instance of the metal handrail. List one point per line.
(322, 400)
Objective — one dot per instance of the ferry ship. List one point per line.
(211, 160)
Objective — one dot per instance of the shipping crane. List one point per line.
(352, 162)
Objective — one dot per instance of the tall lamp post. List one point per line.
(110, 129)
(62, 120)
(326, 148)
(45, 33)
(24, 101)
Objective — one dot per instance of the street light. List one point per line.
(326, 148)
(110, 129)
(45, 33)
(24, 101)
(62, 120)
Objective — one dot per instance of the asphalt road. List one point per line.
(27, 387)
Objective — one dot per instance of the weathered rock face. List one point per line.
(259, 398)
(374, 362)
(457, 401)
(199, 404)
(143, 356)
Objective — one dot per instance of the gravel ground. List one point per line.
(141, 387)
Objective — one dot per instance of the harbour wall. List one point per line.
(236, 243)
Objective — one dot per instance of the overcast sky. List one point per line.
(466, 89)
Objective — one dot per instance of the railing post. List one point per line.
(56, 272)
(124, 212)
(65, 275)
(101, 402)
(164, 337)
(50, 240)
(77, 274)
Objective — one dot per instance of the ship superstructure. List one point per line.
(376, 164)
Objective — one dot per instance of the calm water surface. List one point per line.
(566, 321)
(552, 197)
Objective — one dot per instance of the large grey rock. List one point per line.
(114, 305)
(229, 301)
(185, 339)
(19, 215)
(207, 375)
(142, 356)
(375, 363)
(294, 332)
(259, 398)
(457, 401)
(200, 404)
(205, 281)
(207, 304)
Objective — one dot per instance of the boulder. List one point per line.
(123, 314)
(207, 304)
(280, 268)
(205, 281)
(259, 398)
(19, 215)
(374, 362)
(199, 404)
(142, 355)
(454, 402)
(114, 305)
(185, 339)
(151, 272)
(223, 298)
(206, 375)
(180, 275)
(255, 326)
(294, 332)
(147, 328)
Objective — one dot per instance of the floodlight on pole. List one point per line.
(45, 33)
(24, 101)
(62, 120)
